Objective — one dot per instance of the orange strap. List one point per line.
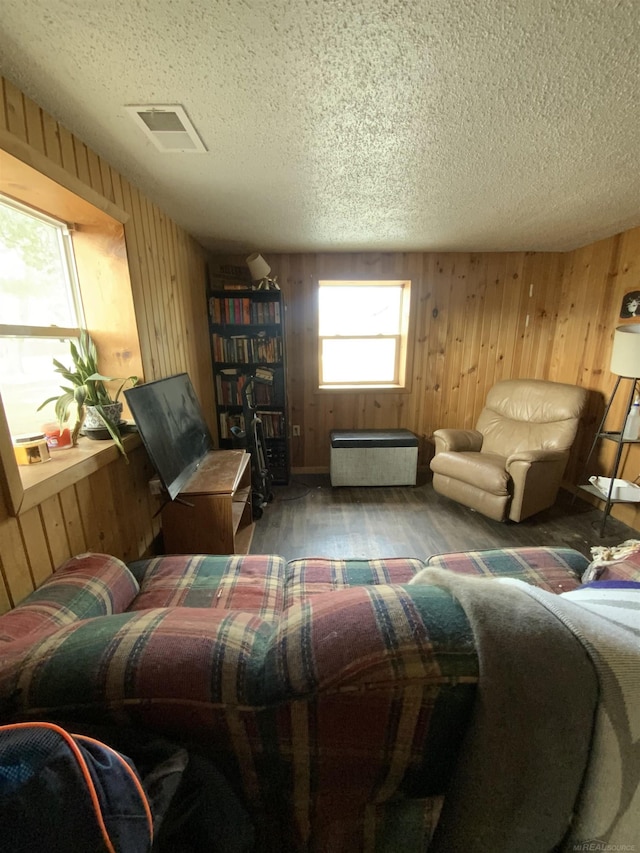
(69, 739)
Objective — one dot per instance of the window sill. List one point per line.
(67, 467)
(362, 389)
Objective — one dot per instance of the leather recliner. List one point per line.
(511, 465)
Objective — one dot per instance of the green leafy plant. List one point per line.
(86, 388)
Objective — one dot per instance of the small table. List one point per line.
(212, 514)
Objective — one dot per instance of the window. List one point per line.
(100, 258)
(363, 334)
(40, 311)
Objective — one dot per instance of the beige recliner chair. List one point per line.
(511, 465)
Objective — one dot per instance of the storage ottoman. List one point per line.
(373, 457)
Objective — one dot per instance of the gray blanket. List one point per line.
(607, 621)
(526, 750)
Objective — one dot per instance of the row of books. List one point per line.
(243, 311)
(231, 278)
(229, 420)
(246, 348)
(229, 385)
(229, 389)
(272, 424)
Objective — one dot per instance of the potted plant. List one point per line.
(86, 389)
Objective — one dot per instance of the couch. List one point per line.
(334, 695)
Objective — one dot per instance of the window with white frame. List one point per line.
(40, 311)
(363, 333)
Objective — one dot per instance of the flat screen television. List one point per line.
(172, 427)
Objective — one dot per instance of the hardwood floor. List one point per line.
(309, 518)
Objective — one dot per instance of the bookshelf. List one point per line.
(246, 331)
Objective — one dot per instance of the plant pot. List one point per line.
(111, 411)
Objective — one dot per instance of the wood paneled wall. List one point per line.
(479, 318)
(110, 510)
(594, 282)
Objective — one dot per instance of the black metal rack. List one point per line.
(617, 438)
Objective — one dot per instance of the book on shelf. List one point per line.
(229, 420)
(230, 382)
(229, 278)
(236, 285)
(271, 423)
(265, 374)
(263, 395)
(229, 385)
(266, 313)
(246, 349)
(243, 311)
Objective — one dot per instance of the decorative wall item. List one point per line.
(630, 305)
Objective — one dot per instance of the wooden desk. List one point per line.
(212, 514)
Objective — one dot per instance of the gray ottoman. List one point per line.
(373, 457)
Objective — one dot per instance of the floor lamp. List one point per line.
(625, 362)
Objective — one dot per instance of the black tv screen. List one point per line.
(172, 427)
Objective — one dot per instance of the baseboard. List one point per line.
(422, 469)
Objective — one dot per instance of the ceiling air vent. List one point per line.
(168, 127)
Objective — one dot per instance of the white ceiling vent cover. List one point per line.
(168, 127)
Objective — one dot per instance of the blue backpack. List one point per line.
(63, 792)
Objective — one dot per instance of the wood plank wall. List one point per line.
(479, 318)
(111, 510)
(470, 330)
(594, 282)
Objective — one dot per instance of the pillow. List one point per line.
(107, 578)
(83, 587)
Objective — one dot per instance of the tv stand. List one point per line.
(212, 514)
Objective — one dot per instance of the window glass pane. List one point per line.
(354, 361)
(360, 310)
(34, 284)
(28, 378)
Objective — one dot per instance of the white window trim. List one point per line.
(14, 330)
(402, 368)
(39, 180)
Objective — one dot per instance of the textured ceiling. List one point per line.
(336, 125)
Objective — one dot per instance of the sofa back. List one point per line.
(318, 715)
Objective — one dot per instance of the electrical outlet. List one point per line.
(155, 486)
(296, 429)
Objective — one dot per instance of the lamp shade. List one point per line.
(258, 267)
(625, 355)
